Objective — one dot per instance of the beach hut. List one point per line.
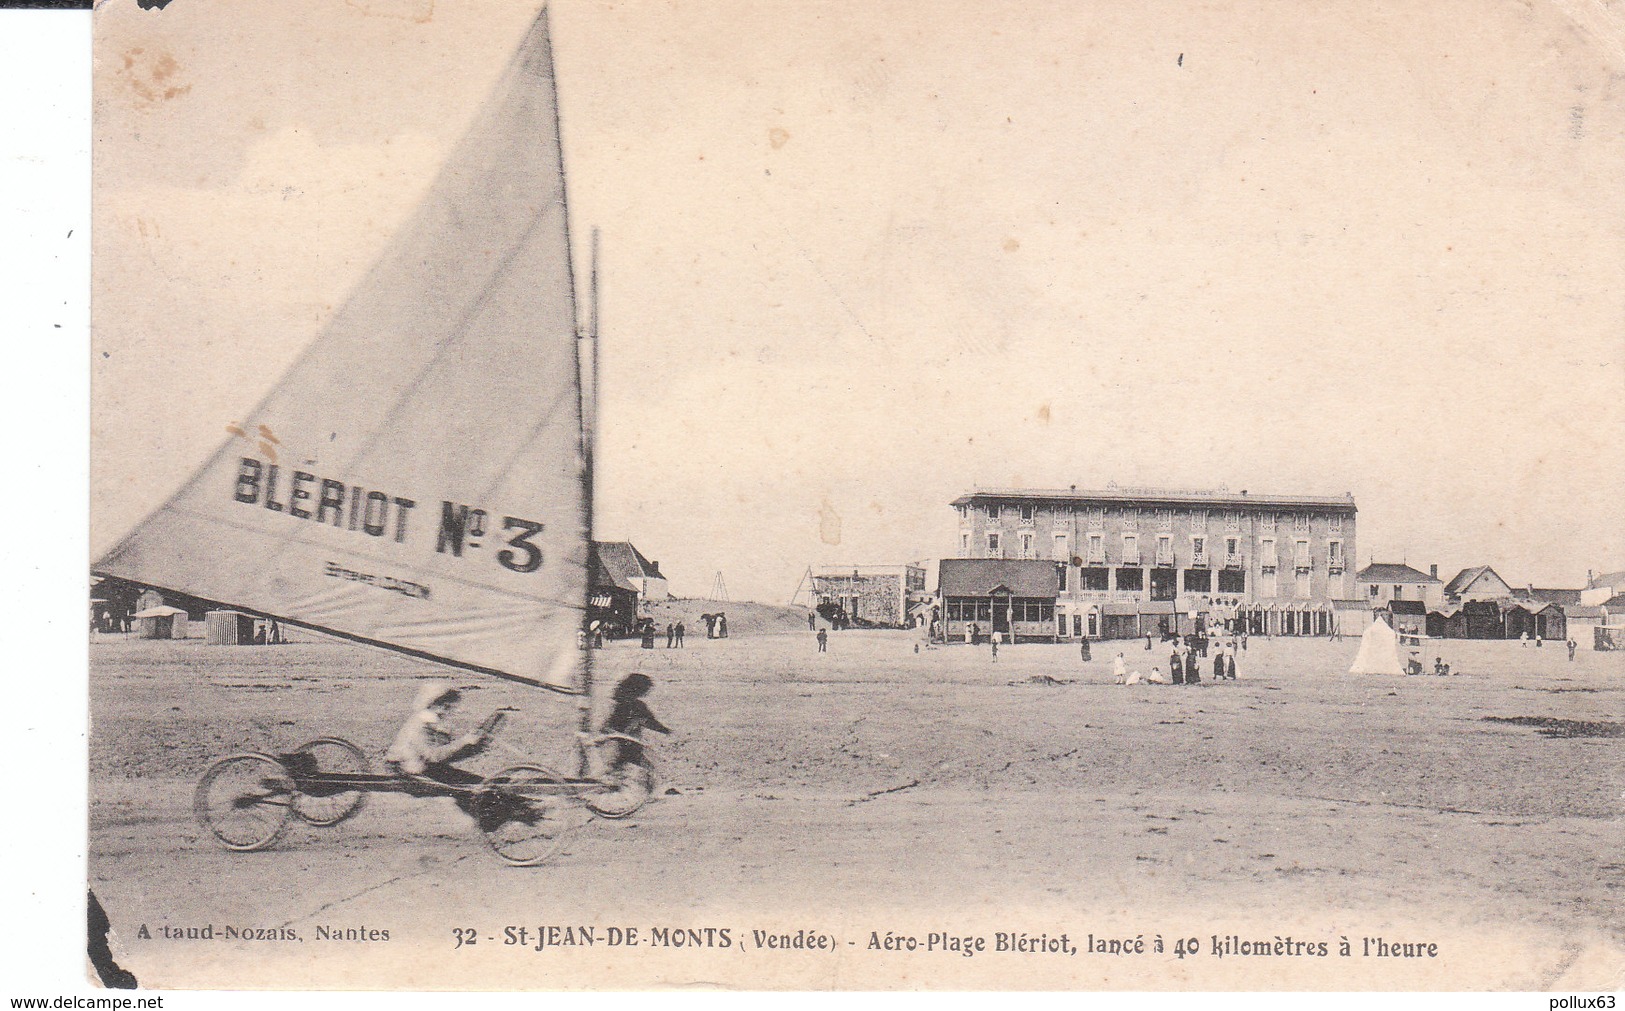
(1120, 619)
(160, 622)
(1517, 622)
(1408, 617)
(1549, 621)
(228, 628)
(1482, 620)
(1579, 620)
(1350, 617)
(1379, 651)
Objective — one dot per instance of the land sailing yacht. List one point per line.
(419, 480)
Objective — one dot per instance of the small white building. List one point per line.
(1381, 582)
(1478, 583)
(1599, 588)
(869, 594)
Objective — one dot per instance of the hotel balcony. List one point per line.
(1236, 561)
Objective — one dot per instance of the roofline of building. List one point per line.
(872, 567)
(1162, 496)
(1423, 577)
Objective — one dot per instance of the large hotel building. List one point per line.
(1125, 562)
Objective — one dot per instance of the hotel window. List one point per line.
(1131, 518)
(1131, 579)
(1266, 582)
(1232, 520)
(1097, 548)
(1131, 549)
(1303, 582)
(1300, 523)
(1335, 524)
(1266, 554)
(1300, 556)
(1334, 555)
(992, 510)
(992, 545)
(1060, 577)
(1094, 578)
(1232, 548)
(1165, 519)
(1232, 581)
(1097, 518)
(1198, 580)
(1027, 513)
(1199, 519)
(964, 545)
(1266, 521)
(1372, 590)
(1399, 592)
(1063, 551)
(1026, 545)
(1165, 550)
(1198, 550)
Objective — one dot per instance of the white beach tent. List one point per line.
(1379, 651)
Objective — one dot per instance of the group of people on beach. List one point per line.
(1184, 666)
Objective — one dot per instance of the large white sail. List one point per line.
(416, 479)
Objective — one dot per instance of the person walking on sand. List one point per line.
(1523, 641)
(1119, 668)
(1176, 667)
(1230, 666)
(1572, 645)
(1084, 649)
(671, 635)
(812, 622)
(1218, 665)
(823, 640)
(679, 635)
(1193, 669)
(997, 638)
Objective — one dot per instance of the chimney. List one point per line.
(1433, 571)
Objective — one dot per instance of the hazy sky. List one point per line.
(861, 257)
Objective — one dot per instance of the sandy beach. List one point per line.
(873, 794)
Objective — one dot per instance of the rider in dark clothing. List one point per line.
(631, 716)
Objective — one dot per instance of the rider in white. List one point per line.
(424, 748)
